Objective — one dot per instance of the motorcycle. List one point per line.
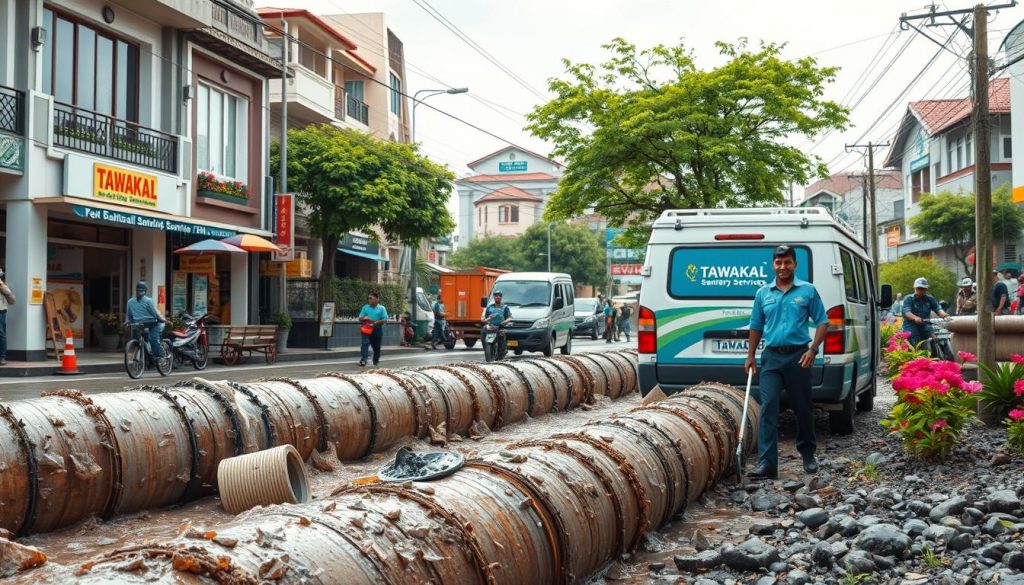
(448, 338)
(192, 343)
(938, 343)
(495, 348)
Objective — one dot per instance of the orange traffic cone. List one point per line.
(69, 363)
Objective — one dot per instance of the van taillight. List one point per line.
(647, 331)
(835, 339)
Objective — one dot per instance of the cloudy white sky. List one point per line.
(531, 37)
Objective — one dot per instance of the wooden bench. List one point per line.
(249, 338)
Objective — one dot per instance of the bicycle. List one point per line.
(939, 345)
(138, 356)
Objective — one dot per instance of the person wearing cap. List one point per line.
(142, 309)
(496, 313)
(6, 298)
(966, 298)
(1020, 294)
(1000, 295)
(918, 307)
(779, 317)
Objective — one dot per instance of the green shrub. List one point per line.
(350, 295)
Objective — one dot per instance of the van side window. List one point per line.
(849, 277)
(863, 275)
(558, 292)
(570, 298)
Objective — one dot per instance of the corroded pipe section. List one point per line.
(65, 457)
(550, 510)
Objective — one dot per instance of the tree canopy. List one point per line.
(948, 218)
(347, 180)
(575, 250)
(902, 273)
(648, 131)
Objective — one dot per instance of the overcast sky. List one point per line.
(531, 37)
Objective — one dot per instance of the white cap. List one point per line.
(966, 281)
(921, 282)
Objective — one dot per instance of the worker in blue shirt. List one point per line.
(142, 309)
(375, 314)
(779, 317)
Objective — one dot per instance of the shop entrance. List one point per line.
(198, 284)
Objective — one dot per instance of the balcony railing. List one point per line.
(358, 109)
(339, 102)
(95, 133)
(12, 110)
(244, 27)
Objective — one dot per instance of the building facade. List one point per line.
(844, 195)
(506, 194)
(125, 134)
(933, 151)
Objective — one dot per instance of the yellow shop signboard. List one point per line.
(124, 186)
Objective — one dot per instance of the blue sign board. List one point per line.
(132, 220)
(516, 166)
(726, 272)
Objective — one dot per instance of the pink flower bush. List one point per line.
(1017, 359)
(1017, 414)
(933, 404)
(966, 356)
(1018, 387)
(1015, 429)
(898, 352)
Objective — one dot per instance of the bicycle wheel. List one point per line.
(165, 364)
(134, 360)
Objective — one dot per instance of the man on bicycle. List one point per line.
(439, 316)
(917, 308)
(142, 309)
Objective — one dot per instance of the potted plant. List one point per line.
(284, 323)
(231, 191)
(110, 330)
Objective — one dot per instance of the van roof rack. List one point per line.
(675, 217)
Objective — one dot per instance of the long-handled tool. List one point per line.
(743, 427)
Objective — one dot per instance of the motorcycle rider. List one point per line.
(142, 309)
(917, 308)
(496, 313)
(439, 322)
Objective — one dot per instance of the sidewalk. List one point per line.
(107, 362)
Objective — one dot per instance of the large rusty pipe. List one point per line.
(551, 510)
(65, 457)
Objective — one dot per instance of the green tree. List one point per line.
(948, 218)
(648, 131)
(902, 273)
(491, 251)
(348, 180)
(575, 250)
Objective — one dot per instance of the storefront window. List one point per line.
(222, 132)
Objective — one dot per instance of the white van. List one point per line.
(542, 310)
(700, 274)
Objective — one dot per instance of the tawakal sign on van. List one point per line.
(726, 272)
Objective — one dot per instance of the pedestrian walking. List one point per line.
(6, 298)
(617, 320)
(437, 335)
(373, 315)
(627, 312)
(609, 322)
(1000, 295)
(779, 317)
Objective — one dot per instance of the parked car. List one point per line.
(588, 317)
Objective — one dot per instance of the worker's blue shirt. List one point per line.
(142, 311)
(782, 316)
(495, 314)
(919, 307)
(378, 313)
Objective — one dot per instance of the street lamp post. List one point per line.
(549, 246)
(412, 256)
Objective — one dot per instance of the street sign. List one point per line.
(327, 319)
(284, 226)
(432, 256)
(626, 269)
(516, 166)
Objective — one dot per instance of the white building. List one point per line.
(507, 194)
(933, 149)
(843, 194)
(109, 113)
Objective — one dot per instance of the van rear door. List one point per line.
(706, 326)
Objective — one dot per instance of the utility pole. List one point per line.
(980, 71)
(983, 263)
(870, 236)
(283, 171)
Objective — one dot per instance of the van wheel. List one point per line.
(866, 401)
(840, 422)
(567, 348)
(549, 350)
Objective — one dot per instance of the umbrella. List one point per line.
(251, 243)
(210, 247)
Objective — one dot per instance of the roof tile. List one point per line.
(938, 115)
(508, 194)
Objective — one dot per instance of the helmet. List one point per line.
(496, 293)
(141, 286)
(921, 282)
(966, 281)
